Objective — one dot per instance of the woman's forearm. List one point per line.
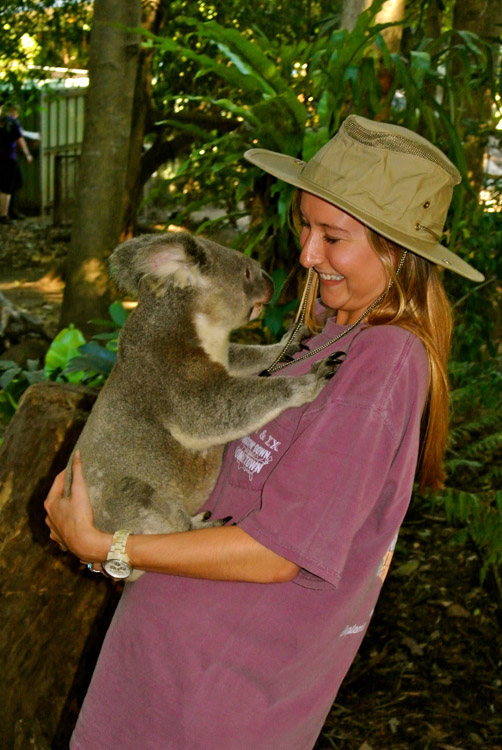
(220, 553)
(225, 553)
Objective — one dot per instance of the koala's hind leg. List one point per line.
(203, 521)
(135, 505)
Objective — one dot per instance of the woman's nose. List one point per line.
(312, 252)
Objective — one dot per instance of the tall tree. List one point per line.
(113, 64)
(392, 11)
(152, 19)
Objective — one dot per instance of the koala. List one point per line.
(152, 446)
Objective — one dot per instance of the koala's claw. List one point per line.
(296, 344)
(336, 358)
(327, 367)
(202, 521)
(323, 370)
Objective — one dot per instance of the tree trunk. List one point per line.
(392, 11)
(434, 19)
(53, 611)
(350, 12)
(103, 167)
(482, 18)
(152, 19)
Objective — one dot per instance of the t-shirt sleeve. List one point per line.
(354, 449)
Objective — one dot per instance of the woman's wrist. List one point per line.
(94, 547)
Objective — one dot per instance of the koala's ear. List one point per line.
(170, 259)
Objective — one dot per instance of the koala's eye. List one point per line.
(248, 273)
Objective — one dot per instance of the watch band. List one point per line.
(117, 549)
(118, 562)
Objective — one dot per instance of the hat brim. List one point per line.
(289, 169)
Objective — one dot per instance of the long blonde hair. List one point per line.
(416, 301)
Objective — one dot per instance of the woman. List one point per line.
(11, 137)
(245, 641)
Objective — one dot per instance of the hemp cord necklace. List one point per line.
(277, 364)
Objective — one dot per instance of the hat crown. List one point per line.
(387, 176)
(396, 139)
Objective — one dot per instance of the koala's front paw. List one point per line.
(296, 344)
(326, 368)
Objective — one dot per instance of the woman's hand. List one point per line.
(71, 519)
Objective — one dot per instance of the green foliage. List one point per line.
(14, 380)
(278, 315)
(42, 32)
(271, 106)
(480, 516)
(291, 94)
(91, 362)
(62, 350)
(472, 499)
(69, 359)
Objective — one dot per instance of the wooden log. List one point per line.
(53, 611)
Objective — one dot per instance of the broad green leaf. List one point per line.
(118, 313)
(8, 376)
(7, 364)
(420, 66)
(64, 347)
(246, 69)
(92, 358)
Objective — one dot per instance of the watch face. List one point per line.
(117, 568)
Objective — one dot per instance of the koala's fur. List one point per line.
(152, 446)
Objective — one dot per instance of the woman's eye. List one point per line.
(331, 240)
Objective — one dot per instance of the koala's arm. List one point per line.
(224, 409)
(244, 359)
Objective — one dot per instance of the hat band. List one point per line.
(419, 227)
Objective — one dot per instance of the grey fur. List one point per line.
(152, 447)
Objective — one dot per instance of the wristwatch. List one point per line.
(118, 564)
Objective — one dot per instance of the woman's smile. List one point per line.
(326, 277)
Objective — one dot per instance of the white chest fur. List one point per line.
(214, 339)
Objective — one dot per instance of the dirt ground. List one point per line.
(428, 675)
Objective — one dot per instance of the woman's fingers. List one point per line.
(70, 517)
(76, 465)
(57, 489)
(55, 493)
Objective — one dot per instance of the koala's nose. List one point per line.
(269, 284)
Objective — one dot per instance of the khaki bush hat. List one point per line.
(388, 177)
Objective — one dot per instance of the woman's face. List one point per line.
(351, 274)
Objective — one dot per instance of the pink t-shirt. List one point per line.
(205, 665)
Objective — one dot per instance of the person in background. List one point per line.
(239, 636)
(11, 138)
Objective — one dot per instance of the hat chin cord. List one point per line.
(284, 359)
